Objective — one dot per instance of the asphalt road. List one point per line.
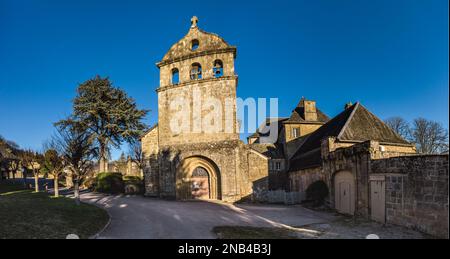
(136, 217)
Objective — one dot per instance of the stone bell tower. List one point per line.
(197, 91)
(196, 147)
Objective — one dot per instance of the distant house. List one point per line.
(10, 166)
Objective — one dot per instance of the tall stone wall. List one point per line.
(150, 150)
(354, 159)
(416, 192)
(188, 107)
(258, 174)
(302, 179)
(240, 169)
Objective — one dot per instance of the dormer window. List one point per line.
(196, 71)
(295, 132)
(175, 76)
(218, 68)
(194, 45)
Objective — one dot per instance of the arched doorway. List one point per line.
(197, 178)
(344, 192)
(200, 184)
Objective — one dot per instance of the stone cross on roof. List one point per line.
(194, 22)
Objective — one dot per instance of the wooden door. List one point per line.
(344, 192)
(200, 184)
(377, 200)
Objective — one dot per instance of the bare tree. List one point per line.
(400, 126)
(53, 164)
(76, 147)
(136, 154)
(429, 136)
(32, 161)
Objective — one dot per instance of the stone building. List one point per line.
(354, 161)
(10, 165)
(304, 119)
(366, 170)
(201, 157)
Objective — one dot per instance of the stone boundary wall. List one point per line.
(416, 192)
(278, 197)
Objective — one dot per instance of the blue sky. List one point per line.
(390, 55)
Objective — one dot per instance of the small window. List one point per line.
(196, 71)
(195, 44)
(278, 166)
(175, 76)
(295, 132)
(218, 68)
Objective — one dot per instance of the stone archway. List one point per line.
(186, 182)
(344, 192)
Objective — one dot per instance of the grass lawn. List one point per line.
(242, 232)
(28, 215)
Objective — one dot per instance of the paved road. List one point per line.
(135, 217)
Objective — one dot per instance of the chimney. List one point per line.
(348, 105)
(310, 111)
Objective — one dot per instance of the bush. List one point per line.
(90, 183)
(133, 184)
(317, 192)
(110, 183)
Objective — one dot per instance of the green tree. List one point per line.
(53, 164)
(108, 114)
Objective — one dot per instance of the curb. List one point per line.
(96, 235)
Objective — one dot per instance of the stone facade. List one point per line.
(305, 119)
(196, 72)
(416, 186)
(302, 179)
(416, 192)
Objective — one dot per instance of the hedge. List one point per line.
(109, 182)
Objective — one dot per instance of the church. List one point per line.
(353, 162)
(189, 163)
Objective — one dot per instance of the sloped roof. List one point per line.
(270, 150)
(267, 124)
(297, 114)
(364, 126)
(148, 131)
(355, 123)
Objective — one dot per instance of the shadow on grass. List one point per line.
(245, 232)
(28, 215)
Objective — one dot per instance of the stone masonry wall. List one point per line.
(302, 179)
(354, 159)
(197, 120)
(240, 169)
(150, 151)
(416, 192)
